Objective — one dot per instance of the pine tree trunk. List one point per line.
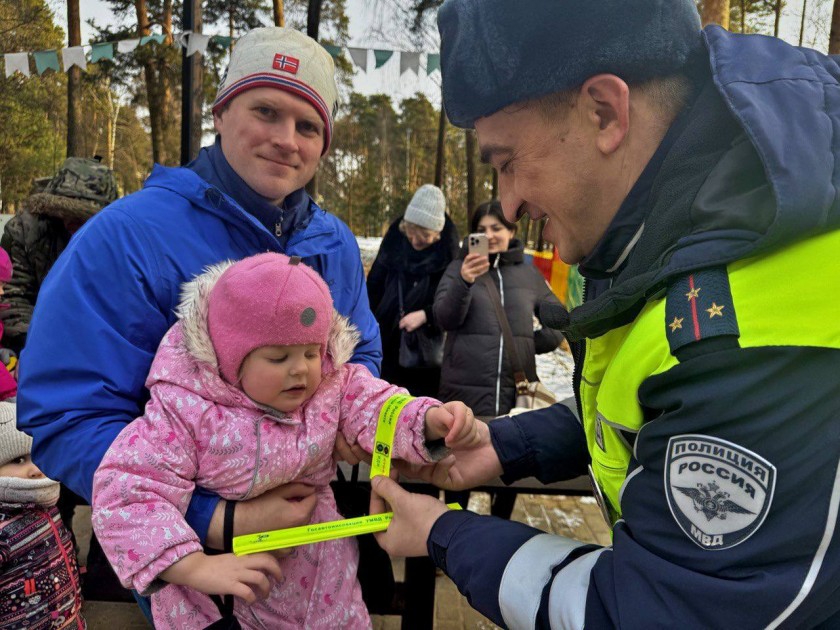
(279, 14)
(834, 36)
(313, 22)
(778, 18)
(74, 84)
(716, 12)
(802, 22)
(152, 96)
(469, 137)
(441, 141)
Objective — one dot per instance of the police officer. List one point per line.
(692, 175)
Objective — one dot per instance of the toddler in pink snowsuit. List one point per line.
(249, 390)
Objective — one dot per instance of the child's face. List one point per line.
(22, 468)
(282, 377)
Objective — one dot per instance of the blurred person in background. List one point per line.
(403, 280)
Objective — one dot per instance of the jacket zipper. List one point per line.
(501, 341)
(578, 352)
(78, 606)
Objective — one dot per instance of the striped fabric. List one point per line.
(39, 578)
(294, 86)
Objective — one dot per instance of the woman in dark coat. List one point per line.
(413, 256)
(476, 368)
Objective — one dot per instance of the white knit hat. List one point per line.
(285, 59)
(13, 443)
(427, 208)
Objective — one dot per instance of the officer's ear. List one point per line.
(605, 100)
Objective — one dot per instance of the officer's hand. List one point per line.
(414, 515)
(464, 468)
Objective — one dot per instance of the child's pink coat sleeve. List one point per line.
(362, 397)
(141, 491)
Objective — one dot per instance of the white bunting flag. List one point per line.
(17, 62)
(359, 57)
(410, 61)
(127, 45)
(197, 44)
(73, 56)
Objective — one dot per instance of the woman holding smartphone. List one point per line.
(476, 369)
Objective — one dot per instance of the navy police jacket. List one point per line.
(707, 383)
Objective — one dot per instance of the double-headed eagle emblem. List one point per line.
(712, 501)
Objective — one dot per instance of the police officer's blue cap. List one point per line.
(498, 52)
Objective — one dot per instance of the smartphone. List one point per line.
(478, 244)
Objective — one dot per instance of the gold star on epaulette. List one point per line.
(677, 323)
(693, 294)
(715, 310)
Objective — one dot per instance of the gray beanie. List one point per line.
(496, 52)
(427, 208)
(13, 443)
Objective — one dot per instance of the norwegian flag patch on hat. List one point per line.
(285, 63)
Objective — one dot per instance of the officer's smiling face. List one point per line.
(568, 165)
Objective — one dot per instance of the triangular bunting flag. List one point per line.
(17, 62)
(334, 51)
(46, 60)
(197, 44)
(409, 61)
(73, 56)
(127, 45)
(432, 63)
(104, 50)
(359, 57)
(382, 56)
(152, 38)
(223, 40)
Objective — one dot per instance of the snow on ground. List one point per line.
(553, 368)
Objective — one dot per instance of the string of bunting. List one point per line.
(195, 43)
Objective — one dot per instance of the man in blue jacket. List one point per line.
(109, 299)
(693, 175)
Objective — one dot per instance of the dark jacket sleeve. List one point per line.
(376, 283)
(22, 289)
(545, 339)
(452, 299)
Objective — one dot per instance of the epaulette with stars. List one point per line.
(699, 306)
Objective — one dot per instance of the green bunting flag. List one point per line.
(335, 51)
(152, 38)
(46, 60)
(222, 40)
(382, 56)
(101, 51)
(432, 63)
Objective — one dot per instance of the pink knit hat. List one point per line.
(5, 266)
(265, 300)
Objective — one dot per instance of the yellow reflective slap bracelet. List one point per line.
(331, 530)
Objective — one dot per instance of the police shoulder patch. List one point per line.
(699, 306)
(718, 492)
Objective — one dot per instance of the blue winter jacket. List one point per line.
(110, 298)
(750, 185)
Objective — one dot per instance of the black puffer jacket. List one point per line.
(33, 241)
(473, 370)
(419, 272)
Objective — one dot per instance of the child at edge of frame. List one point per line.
(39, 577)
(249, 390)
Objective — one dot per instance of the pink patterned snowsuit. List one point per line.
(198, 430)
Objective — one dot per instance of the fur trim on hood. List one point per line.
(192, 311)
(61, 207)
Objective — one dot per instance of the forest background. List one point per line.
(127, 109)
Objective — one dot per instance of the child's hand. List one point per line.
(455, 422)
(246, 577)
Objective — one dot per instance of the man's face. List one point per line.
(272, 139)
(550, 169)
